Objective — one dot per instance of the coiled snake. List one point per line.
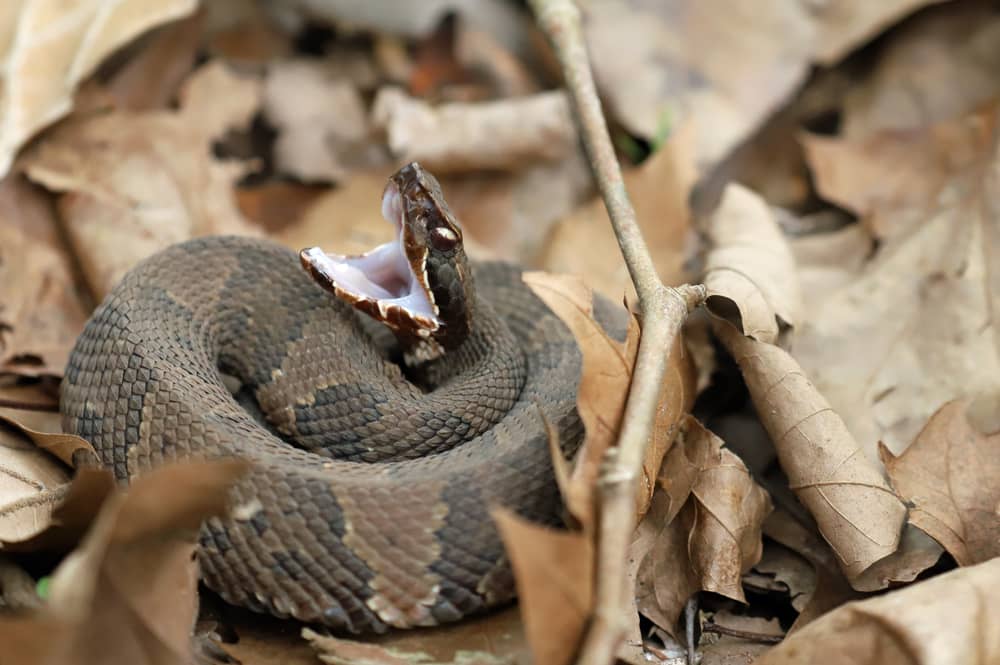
(368, 501)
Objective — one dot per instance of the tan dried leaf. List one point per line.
(499, 635)
(134, 575)
(703, 529)
(749, 271)
(846, 24)
(150, 78)
(554, 575)
(605, 378)
(827, 262)
(892, 179)
(47, 49)
(513, 214)
(938, 219)
(32, 483)
(946, 620)
(584, 243)
(855, 509)
(651, 64)
(831, 586)
(937, 66)
(504, 135)
(41, 312)
(338, 651)
(951, 476)
(135, 183)
(321, 121)
(504, 215)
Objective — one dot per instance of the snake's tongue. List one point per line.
(383, 282)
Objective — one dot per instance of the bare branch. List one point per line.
(662, 311)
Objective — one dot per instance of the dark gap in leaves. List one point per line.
(256, 142)
(826, 123)
(315, 39)
(27, 360)
(726, 392)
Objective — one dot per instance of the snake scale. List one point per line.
(367, 506)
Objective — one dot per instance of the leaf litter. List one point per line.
(851, 347)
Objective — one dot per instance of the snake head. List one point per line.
(419, 284)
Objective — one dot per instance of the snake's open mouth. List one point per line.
(386, 282)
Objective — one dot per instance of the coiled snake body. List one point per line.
(371, 509)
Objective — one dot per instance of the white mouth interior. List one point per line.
(382, 275)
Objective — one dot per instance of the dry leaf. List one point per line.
(749, 271)
(828, 261)
(264, 640)
(584, 242)
(504, 216)
(504, 135)
(321, 121)
(245, 32)
(652, 66)
(856, 510)
(946, 620)
(18, 589)
(150, 79)
(938, 66)
(134, 576)
(347, 220)
(137, 182)
(892, 179)
(783, 570)
(500, 19)
(32, 483)
(49, 48)
(277, 205)
(512, 214)
(702, 531)
(348, 652)
(832, 588)
(604, 380)
(605, 377)
(933, 272)
(40, 311)
(554, 575)
(951, 477)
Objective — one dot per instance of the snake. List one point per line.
(386, 403)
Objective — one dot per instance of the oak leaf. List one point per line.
(944, 620)
(703, 529)
(49, 48)
(134, 183)
(950, 475)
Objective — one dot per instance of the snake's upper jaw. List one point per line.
(384, 282)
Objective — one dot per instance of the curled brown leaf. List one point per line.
(856, 510)
(749, 271)
(703, 529)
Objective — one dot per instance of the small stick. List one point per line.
(690, 615)
(662, 311)
(742, 634)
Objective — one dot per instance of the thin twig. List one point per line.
(51, 407)
(742, 634)
(662, 311)
(690, 616)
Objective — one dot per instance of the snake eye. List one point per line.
(443, 238)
